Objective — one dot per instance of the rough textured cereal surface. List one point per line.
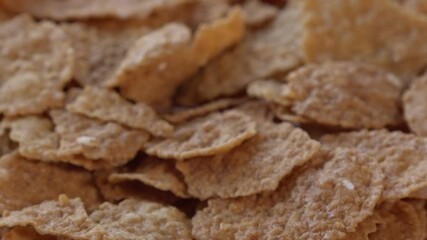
(130, 219)
(399, 220)
(402, 157)
(107, 105)
(81, 9)
(322, 202)
(255, 166)
(95, 140)
(154, 172)
(100, 47)
(160, 61)
(272, 50)
(213, 134)
(41, 181)
(381, 33)
(365, 228)
(346, 94)
(258, 13)
(181, 115)
(415, 109)
(36, 61)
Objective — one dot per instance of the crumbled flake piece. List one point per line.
(257, 13)
(160, 61)
(376, 32)
(110, 142)
(312, 203)
(345, 94)
(205, 136)
(415, 109)
(181, 115)
(258, 110)
(255, 166)
(107, 105)
(26, 233)
(157, 173)
(130, 219)
(100, 48)
(402, 157)
(400, 221)
(82, 9)
(115, 192)
(25, 182)
(271, 50)
(36, 62)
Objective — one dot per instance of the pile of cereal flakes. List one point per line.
(213, 119)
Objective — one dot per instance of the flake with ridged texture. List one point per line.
(109, 142)
(158, 173)
(402, 157)
(257, 13)
(130, 219)
(256, 166)
(107, 105)
(36, 62)
(205, 136)
(341, 94)
(324, 201)
(180, 115)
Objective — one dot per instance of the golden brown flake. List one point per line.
(258, 13)
(25, 182)
(26, 233)
(343, 94)
(95, 140)
(399, 220)
(402, 157)
(181, 115)
(321, 202)
(365, 228)
(205, 11)
(160, 61)
(82, 9)
(100, 47)
(414, 106)
(255, 166)
(36, 62)
(206, 136)
(115, 192)
(157, 173)
(107, 105)
(130, 219)
(377, 32)
(270, 51)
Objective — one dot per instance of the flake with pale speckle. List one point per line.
(36, 62)
(402, 157)
(138, 76)
(311, 203)
(415, 109)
